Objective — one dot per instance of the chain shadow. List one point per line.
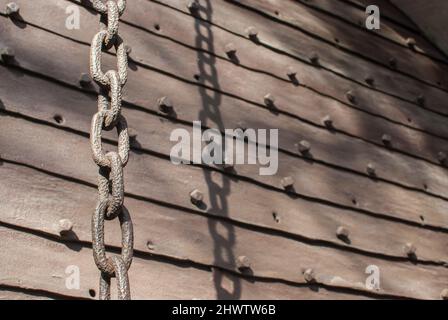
(223, 234)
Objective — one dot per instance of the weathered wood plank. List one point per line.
(202, 240)
(326, 28)
(43, 264)
(223, 195)
(10, 294)
(388, 30)
(42, 100)
(295, 43)
(328, 147)
(371, 101)
(388, 10)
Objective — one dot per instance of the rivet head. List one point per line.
(252, 32)
(287, 182)
(196, 196)
(230, 49)
(309, 275)
(314, 58)
(7, 54)
(444, 294)
(228, 162)
(132, 133)
(410, 42)
(64, 226)
(393, 62)
(350, 96)
(165, 105)
(291, 72)
(371, 170)
(327, 121)
(193, 6)
(242, 263)
(441, 157)
(12, 8)
(85, 79)
(386, 139)
(421, 100)
(128, 49)
(369, 80)
(304, 146)
(269, 100)
(342, 232)
(409, 249)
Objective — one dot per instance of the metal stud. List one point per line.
(444, 294)
(165, 105)
(196, 196)
(7, 54)
(441, 156)
(393, 62)
(230, 49)
(350, 96)
(304, 146)
(269, 100)
(314, 58)
(309, 275)
(342, 232)
(370, 81)
(85, 80)
(291, 72)
(12, 8)
(252, 33)
(410, 42)
(327, 121)
(193, 6)
(409, 249)
(421, 100)
(64, 226)
(132, 133)
(287, 182)
(243, 263)
(371, 170)
(387, 139)
(128, 49)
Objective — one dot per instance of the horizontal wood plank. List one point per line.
(185, 236)
(331, 148)
(289, 41)
(389, 11)
(388, 30)
(44, 264)
(223, 195)
(326, 28)
(165, 54)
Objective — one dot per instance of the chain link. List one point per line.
(110, 173)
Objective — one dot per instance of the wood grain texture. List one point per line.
(292, 42)
(389, 11)
(224, 196)
(162, 54)
(326, 28)
(44, 263)
(190, 237)
(205, 106)
(388, 30)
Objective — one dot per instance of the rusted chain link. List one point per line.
(110, 175)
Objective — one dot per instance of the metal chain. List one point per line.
(110, 174)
